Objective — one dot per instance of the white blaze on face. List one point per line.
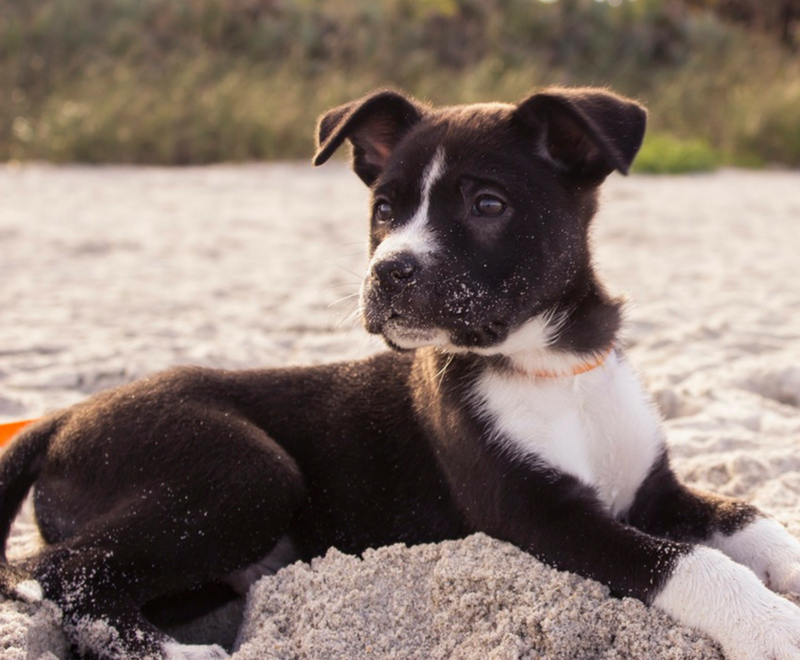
(415, 237)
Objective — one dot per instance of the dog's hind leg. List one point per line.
(101, 587)
(168, 537)
(100, 617)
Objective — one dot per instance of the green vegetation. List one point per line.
(664, 154)
(160, 81)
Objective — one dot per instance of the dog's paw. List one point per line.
(29, 591)
(175, 651)
(767, 549)
(725, 600)
(785, 578)
(773, 632)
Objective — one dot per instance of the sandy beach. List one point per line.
(111, 273)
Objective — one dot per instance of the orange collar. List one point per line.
(578, 369)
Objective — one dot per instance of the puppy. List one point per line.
(505, 407)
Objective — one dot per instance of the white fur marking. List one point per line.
(176, 651)
(528, 347)
(725, 600)
(416, 236)
(766, 548)
(29, 591)
(599, 426)
(409, 337)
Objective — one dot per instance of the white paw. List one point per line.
(768, 550)
(725, 600)
(773, 632)
(785, 578)
(29, 591)
(175, 651)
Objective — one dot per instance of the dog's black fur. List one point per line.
(180, 479)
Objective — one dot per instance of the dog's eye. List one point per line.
(383, 211)
(488, 206)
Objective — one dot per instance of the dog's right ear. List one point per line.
(374, 126)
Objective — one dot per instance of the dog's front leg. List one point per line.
(562, 523)
(665, 507)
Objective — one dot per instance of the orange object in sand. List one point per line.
(10, 429)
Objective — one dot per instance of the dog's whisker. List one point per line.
(337, 285)
(347, 270)
(440, 376)
(361, 345)
(347, 297)
(351, 317)
(347, 322)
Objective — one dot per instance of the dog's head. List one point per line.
(480, 213)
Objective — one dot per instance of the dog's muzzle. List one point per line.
(396, 302)
(412, 304)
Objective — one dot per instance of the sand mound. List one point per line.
(30, 632)
(457, 600)
(110, 273)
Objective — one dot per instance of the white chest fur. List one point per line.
(599, 427)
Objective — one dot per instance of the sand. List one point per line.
(111, 273)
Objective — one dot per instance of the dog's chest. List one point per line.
(599, 427)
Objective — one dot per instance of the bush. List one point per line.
(665, 154)
(158, 81)
(773, 133)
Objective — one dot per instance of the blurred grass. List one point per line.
(665, 154)
(159, 81)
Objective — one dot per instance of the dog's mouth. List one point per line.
(400, 330)
(403, 332)
(483, 335)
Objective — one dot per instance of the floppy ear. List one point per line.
(586, 131)
(374, 126)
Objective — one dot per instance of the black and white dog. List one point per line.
(507, 407)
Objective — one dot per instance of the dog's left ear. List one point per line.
(374, 125)
(586, 131)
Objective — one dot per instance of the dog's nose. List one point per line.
(395, 273)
